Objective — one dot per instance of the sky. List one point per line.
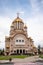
(30, 11)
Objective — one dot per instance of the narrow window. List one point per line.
(16, 40)
(19, 40)
(31, 45)
(28, 45)
(22, 40)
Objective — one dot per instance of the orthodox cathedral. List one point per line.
(18, 41)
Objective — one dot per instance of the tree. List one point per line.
(1, 51)
(39, 52)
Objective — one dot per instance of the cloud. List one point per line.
(35, 22)
(35, 28)
(32, 13)
(4, 29)
(37, 6)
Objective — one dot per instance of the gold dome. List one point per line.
(18, 19)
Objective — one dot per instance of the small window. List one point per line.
(16, 40)
(22, 40)
(11, 45)
(11, 50)
(28, 45)
(14, 51)
(31, 45)
(7, 47)
(19, 40)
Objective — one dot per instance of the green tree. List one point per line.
(39, 47)
(1, 51)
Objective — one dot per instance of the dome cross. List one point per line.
(18, 15)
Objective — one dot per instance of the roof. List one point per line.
(17, 20)
(25, 26)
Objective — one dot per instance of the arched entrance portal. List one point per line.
(7, 53)
(20, 51)
(17, 51)
(23, 51)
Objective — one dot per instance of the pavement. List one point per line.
(26, 60)
(28, 64)
(33, 60)
(21, 63)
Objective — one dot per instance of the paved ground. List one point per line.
(33, 60)
(26, 60)
(6, 63)
(28, 64)
(39, 63)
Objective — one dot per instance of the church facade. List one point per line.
(18, 41)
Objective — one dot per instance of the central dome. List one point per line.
(18, 20)
(17, 24)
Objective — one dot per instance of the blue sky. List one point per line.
(31, 11)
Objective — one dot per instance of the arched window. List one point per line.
(16, 40)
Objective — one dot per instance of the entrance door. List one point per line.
(17, 51)
(20, 51)
(23, 51)
(7, 53)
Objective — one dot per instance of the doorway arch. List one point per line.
(20, 51)
(23, 51)
(17, 51)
